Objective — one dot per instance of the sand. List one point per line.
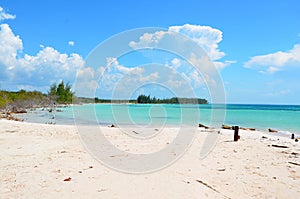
(49, 161)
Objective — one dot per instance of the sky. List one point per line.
(254, 46)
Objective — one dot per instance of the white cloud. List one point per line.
(4, 15)
(113, 65)
(207, 37)
(71, 43)
(176, 62)
(10, 45)
(86, 82)
(47, 66)
(271, 63)
(148, 40)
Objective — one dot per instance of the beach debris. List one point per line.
(272, 131)
(221, 169)
(19, 111)
(67, 179)
(247, 129)
(101, 190)
(294, 163)
(188, 182)
(205, 184)
(293, 136)
(236, 134)
(8, 116)
(264, 137)
(279, 146)
(135, 132)
(90, 167)
(224, 126)
(203, 126)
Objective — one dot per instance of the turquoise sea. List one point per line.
(285, 118)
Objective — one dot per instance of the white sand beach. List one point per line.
(49, 161)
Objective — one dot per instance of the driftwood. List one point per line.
(203, 126)
(201, 182)
(279, 146)
(224, 126)
(68, 179)
(272, 131)
(247, 129)
(294, 163)
(8, 116)
(19, 111)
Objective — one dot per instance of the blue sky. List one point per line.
(255, 44)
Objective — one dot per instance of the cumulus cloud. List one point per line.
(71, 43)
(271, 63)
(4, 15)
(47, 66)
(10, 45)
(207, 37)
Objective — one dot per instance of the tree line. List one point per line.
(147, 99)
(20, 100)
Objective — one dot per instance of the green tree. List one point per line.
(61, 93)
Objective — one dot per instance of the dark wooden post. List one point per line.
(236, 133)
(293, 136)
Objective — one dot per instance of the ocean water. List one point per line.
(285, 118)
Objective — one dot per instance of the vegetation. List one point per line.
(61, 93)
(20, 100)
(147, 99)
(143, 99)
(97, 100)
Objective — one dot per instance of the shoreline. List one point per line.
(285, 125)
(14, 117)
(41, 160)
